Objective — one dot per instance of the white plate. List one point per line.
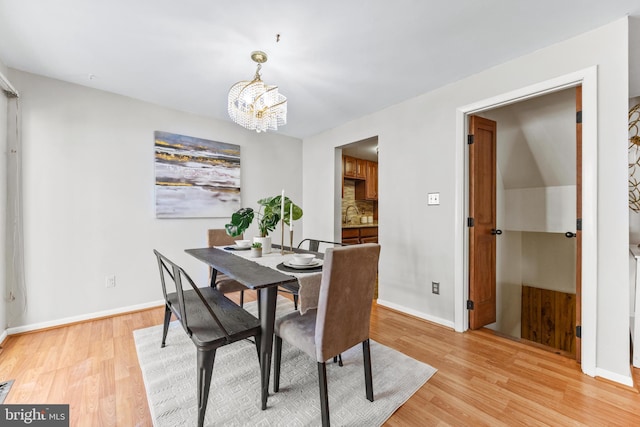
(315, 263)
(238, 248)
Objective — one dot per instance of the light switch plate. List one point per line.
(433, 198)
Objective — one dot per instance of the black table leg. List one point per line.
(267, 318)
(214, 274)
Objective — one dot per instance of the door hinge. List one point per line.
(469, 304)
(579, 117)
(579, 224)
(578, 331)
(470, 222)
(469, 139)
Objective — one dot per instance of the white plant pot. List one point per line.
(266, 243)
(256, 252)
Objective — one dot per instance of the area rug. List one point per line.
(170, 380)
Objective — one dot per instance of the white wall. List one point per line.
(3, 205)
(89, 195)
(509, 261)
(417, 141)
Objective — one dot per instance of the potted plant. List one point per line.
(256, 249)
(267, 215)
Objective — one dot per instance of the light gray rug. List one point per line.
(170, 380)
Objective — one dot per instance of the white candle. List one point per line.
(291, 216)
(282, 206)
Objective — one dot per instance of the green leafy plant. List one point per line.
(256, 245)
(268, 216)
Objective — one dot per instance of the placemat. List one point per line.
(283, 267)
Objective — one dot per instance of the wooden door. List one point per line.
(482, 222)
(578, 222)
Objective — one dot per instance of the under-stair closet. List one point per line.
(536, 211)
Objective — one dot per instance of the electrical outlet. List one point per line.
(110, 281)
(435, 288)
(433, 198)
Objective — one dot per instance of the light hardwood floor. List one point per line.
(482, 379)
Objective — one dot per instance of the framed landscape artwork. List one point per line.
(195, 178)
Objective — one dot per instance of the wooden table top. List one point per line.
(249, 273)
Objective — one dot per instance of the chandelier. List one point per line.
(255, 105)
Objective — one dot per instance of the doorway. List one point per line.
(359, 205)
(523, 169)
(359, 202)
(588, 78)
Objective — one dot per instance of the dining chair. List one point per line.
(209, 318)
(312, 245)
(341, 320)
(315, 245)
(226, 285)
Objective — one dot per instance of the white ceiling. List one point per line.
(336, 60)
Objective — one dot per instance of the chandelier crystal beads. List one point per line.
(255, 105)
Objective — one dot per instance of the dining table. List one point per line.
(264, 275)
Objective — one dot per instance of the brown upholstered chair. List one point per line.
(209, 318)
(346, 294)
(219, 237)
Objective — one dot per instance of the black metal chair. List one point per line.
(315, 245)
(312, 245)
(209, 318)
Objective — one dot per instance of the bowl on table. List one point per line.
(243, 243)
(303, 259)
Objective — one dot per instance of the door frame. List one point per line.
(588, 78)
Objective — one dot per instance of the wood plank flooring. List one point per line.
(482, 379)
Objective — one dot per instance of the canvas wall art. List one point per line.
(195, 178)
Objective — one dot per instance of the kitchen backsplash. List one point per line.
(365, 207)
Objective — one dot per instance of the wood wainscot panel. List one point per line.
(548, 318)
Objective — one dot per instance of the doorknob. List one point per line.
(569, 234)
(496, 231)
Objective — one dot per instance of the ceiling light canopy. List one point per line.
(255, 105)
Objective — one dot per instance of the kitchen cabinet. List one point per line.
(357, 235)
(350, 236)
(369, 235)
(353, 168)
(368, 188)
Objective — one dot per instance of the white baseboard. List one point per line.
(3, 336)
(81, 318)
(416, 313)
(612, 376)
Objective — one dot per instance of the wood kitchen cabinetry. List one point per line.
(350, 236)
(356, 235)
(368, 189)
(365, 174)
(353, 168)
